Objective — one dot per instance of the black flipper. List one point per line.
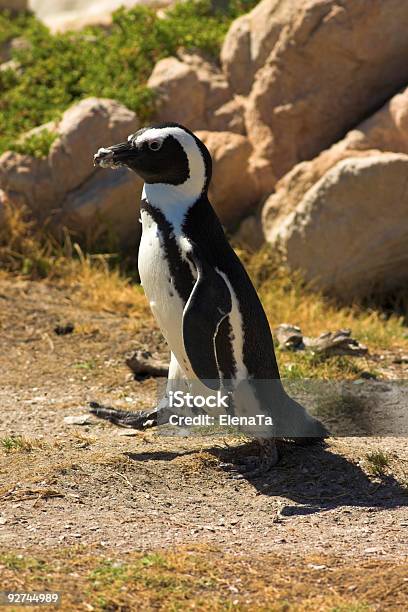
(208, 305)
(142, 419)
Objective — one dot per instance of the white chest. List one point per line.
(159, 285)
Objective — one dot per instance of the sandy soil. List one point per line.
(92, 484)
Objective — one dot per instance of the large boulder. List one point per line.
(233, 190)
(349, 232)
(28, 179)
(106, 206)
(65, 186)
(386, 130)
(331, 65)
(181, 95)
(251, 38)
(83, 129)
(195, 93)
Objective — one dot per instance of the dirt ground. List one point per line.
(95, 486)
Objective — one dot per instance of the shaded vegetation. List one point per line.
(56, 70)
(377, 462)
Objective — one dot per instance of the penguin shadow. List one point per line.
(158, 455)
(316, 479)
(312, 477)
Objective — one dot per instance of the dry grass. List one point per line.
(102, 289)
(287, 300)
(204, 578)
(20, 444)
(33, 253)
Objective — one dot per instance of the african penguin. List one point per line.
(199, 292)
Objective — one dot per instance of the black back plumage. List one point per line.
(203, 227)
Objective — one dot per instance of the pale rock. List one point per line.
(65, 188)
(386, 130)
(65, 15)
(3, 203)
(84, 128)
(81, 419)
(28, 178)
(180, 94)
(233, 191)
(107, 204)
(192, 91)
(332, 65)
(229, 117)
(348, 234)
(217, 90)
(249, 234)
(251, 38)
(294, 185)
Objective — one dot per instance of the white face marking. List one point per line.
(175, 200)
(104, 163)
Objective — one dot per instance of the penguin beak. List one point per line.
(115, 156)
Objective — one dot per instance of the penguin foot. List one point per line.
(254, 465)
(241, 466)
(141, 420)
(267, 459)
(306, 441)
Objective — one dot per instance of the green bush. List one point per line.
(36, 145)
(57, 70)
(12, 26)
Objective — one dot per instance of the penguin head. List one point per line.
(166, 154)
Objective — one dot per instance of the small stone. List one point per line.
(371, 551)
(81, 419)
(400, 359)
(129, 433)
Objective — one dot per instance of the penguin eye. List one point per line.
(155, 145)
